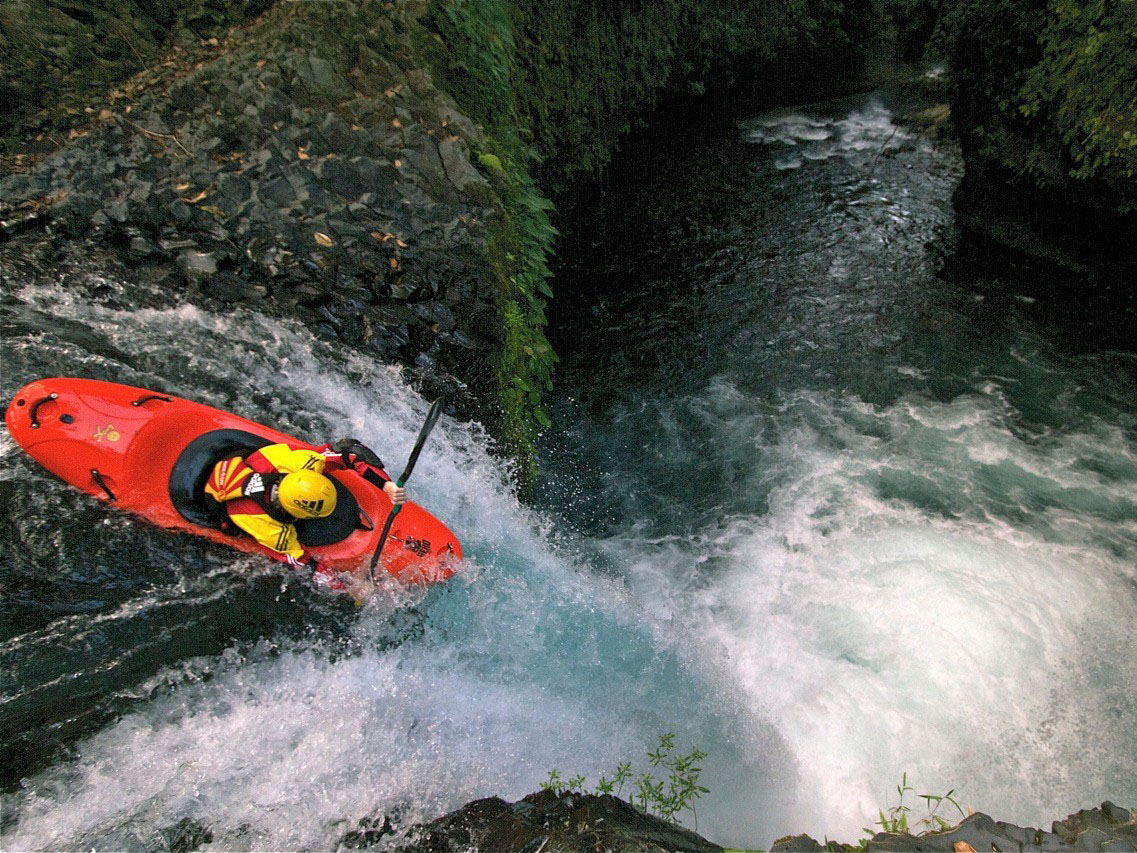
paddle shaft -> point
(427, 426)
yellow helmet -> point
(306, 494)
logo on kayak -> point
(417, 546)
(108, 432)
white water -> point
(528, 660)
(971, 653)
(800, 135)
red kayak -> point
(150, 454)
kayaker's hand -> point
(396, 493)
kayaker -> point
(266, 492)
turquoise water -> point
(832, 495)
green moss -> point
(475, 59)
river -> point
(832, 494)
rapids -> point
(832, 495)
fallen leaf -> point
(182, 187)
(398, 164)
(261, 63)
(396, 123)
(105, 114)
(962, 847)
(400, 243)
(301, 153)
(214, 210)
(394, 263)
(324, 240)
(195, 199)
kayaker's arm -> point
(282, 544)
(349, 453)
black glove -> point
(349, 447)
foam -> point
(799, 136)
(883, 637)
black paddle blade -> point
(427, 425)
(431, 419)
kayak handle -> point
(37, 404)
(148, 397)
(98, 478)
(365, 521)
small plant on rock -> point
(665, 798)
(896, 819)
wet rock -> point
(229, 287)
(456, 162)
(258, 148)
(72, 214)
(370, 832)
(548, 822)
(197, 263)
(276, 191)
(1115, 814)
(343, 179)
(186, 835)
(119, 211)
(795, 843)
(235, 187)
(321, 80)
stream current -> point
(832, 495)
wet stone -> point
(276, 191)
(195, 262)
(1091, 839)
(186, 835)
(235, 187)
(796, 843)
(1115, 814)
(343, 179)
(229, 287)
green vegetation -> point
(896, 819)
(1047, 91)
(664, 797)
(1086, 84)
(476, 60)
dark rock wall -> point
(57, 55)
(304, 163)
